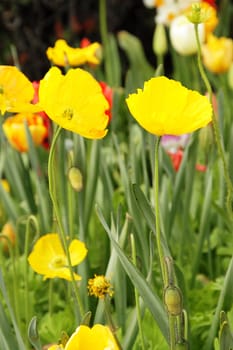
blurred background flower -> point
(15, 130)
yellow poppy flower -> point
(16, 91)
(48, 257)
(164, 107)
(75, 102)
(217, 54)
(62, 54)
(98, 337)
(14, 129)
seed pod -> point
(173, 300)
(75, 178)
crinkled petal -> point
(98, 337)
(75, 102)
(164, 106)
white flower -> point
(182, 35)
(167, 10)
(149, 3)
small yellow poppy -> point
(165, 107)
(48, 257)
(64, 55)
(98, 337)
(75, 102)
(16, 91)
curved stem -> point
(52, 192)
(215, 126)
(137, 302)
(157, 212)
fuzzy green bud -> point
(75, 178)
(197, 14)
(160, 40)
(173, 300)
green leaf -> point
(33, 334)
(150, 298)
(21, 345)
(225, 334)
(224, 303)
(147, 211)
(140, 70)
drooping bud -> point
(75, 178)
(173, 300)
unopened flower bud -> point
(173, 300)
(75, 178)
(160, 40)
(198, 14)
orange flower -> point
(14, 129)
(212, 21)
(217, 54)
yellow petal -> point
(78, 252)
(63, 55)
(48, 257)
(164, 106)
(75, 102)
(16, 91)
(98, 337)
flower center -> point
(68, 114)
(58, 262)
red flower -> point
(211, 3)
(176, 158)
(46, 120)
(108, 93)
(84, 43)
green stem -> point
(172, 327)
(138, 309)
(157, 212)
(215, 126)
(107, 309)
(33, 220)
(52, 192)
(50, 297)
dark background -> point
(29, 27)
